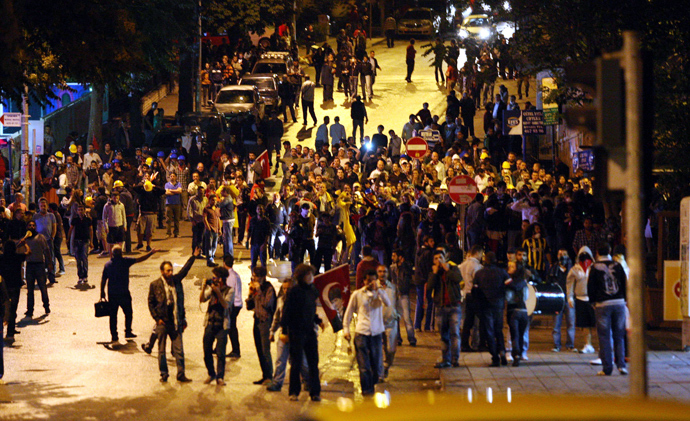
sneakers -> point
(516, 362)
(316, 398)
(623, 371)
(146, 348)
(130, 335)
(595, 362)
(60, 273)
(601, 373)
(184, 379)
(139, 246)
(587, 349)
(164, 378)
(262, 381)
(555, 350)
(148, 248)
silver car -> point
(419, 21)
(477, 28)
(239, 100)
(268, 87)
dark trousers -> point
(468, 120)
(390, 38)
(232, 332)
(57, 244)
(51, 250)
(165, 331)
(410, 69)
(117, 302)
(325, 256)
(448, 321)
(241, 225)
(360, 124)
(317, 68)
(304, 344)
(369, 350)
(161, 212)
(2, 345)
(174, 213)
(328, 92)
(438, 68)
(308, 246)
(518, 321)
(308, 106)
(492, 323)
(128, 235)
(14, 303)
(256, 253)
(419, 313)
(81, 254)
(289, 105)
(215, 333)
(262, 332)
(36, 274)
(473, 310)
(198, 235)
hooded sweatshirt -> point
(576, 282)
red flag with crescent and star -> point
(265, 166)
(334, 293)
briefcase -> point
(102, 308)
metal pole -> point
(32, 167)
(198, 75)
(25, 139)
(370, 11)
(634, 211)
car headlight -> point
(463, 33)
(484, 33)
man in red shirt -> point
(409, 59)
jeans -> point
(305, 346)
(368, 356)
(390, 346)
(518, 322)
(366, 86)
(165, 331)
(611, 331)
(233, 334)
(57, 243)
(116, 302)
(215, 333)
(570, 327)
(448, 321)
(256, 253)
(197, 234)
(360, 124)
(492, 323)
(51, 250)
(128, 236)
(380, 255)
(36, 274)
(262, 331)
(419, 309)
(405, 316)
(174, 213)
(81, 251)
(283, 352)
(353, 86)
(308, 106)
(438, 69)
(228, 249)
(210, 245)
(410, 69)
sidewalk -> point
(569, 373)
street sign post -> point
(462, 189)
(417, 147)
(533, 123)
(11, 119)
(431, 136)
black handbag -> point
(102, 308)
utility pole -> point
(199, 69)
(631, 62)
(25, 140)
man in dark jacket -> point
(445, 282)
(262, 299)
(299, 317)
(166, 305)
(558, 274)
(401, 276)
(425, 259)
(358, 112)
(490, 282)
(606, 291)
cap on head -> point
(161, 154)
(181, 158)
(173, 156)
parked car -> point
(273, 62)
(268, 88)
(238, 100)
(419, 21)
(477, 28)
(210, 123)
(166, 138)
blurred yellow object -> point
(484, 155)
(148, 186)
(504, 406)
(73, 148)
(58, 154)
(118, 183)
(88, 201)
(149, 161)
(506, 165)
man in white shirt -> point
(368, 303)
(235, 283)
(473, 308)
(90, 157)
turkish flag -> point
(265, 166)
(334, 293)
(95, 143)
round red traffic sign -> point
(462, 189)
(417, 147)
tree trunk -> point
(185, 103)
(96, 115)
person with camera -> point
(262, 299)
(368, 303)
(217, 322)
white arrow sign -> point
(11, 119)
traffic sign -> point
(417, 147)
(11, 119)
(431, 136)
(462, 189)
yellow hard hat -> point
(506, 165)
(88, 201)
(148, 186)
(149, 161)
(118, 183)
(73, 148)
(484, 155)
(58, 154)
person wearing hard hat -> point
(59, 158)
(115, 219)
(149, 195)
